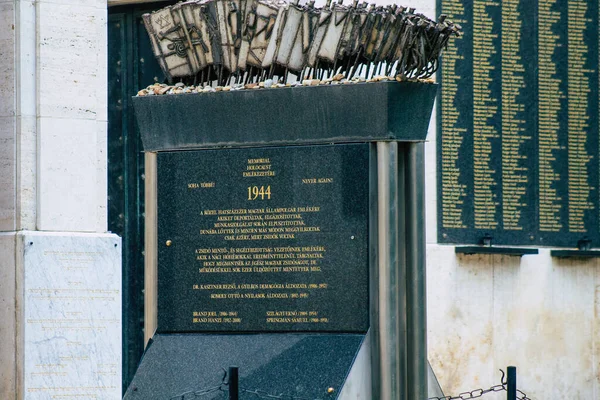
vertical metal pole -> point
(234, 385)
(374, 272)
(387, 362)
(401, 245)
(511, 381)
(151, 248)
(416, 295)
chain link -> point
(260, 394)
(474, 394)
(522, 396)
(194, 394)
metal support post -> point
(511, 383)
(389, 330)
(416, 294)
(234, 384)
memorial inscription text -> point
(270, 239)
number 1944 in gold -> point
(259, 193)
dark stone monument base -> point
(362, 112)
(298, 365)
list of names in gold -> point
(580, 189)
(452, 133)
(515, 175)
(519, 122)
(485, 107)
(549, 107)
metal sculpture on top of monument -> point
(248, 41)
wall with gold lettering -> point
(518, 151)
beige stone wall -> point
(53, 116)
(7, 115)
(53, 127)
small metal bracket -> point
(509, 251)
(485, 247)
(486, 240)
(575, 253)
(584, 244)
(584, 250)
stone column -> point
(60, 271)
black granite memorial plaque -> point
(264, 239)
(518, 150)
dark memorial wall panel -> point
(264, 239)
(518, 150)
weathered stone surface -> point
(61, 329)
(72, 314)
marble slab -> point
(71, 316)
(68, 175)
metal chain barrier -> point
(474, 394)
(194, 394)
(264, 395)
(261, 394)
(522, 396)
